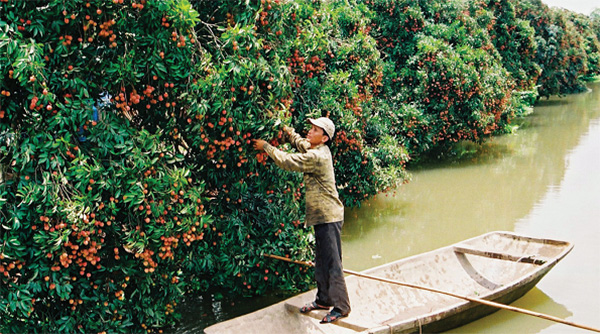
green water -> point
(542, 181)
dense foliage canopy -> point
(127, 178)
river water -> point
(543, 181)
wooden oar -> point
(471, 299)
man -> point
(324, 211)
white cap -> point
(324, 123)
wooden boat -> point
(497, 266)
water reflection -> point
(201, 311)
(507, 322)
(552, 102)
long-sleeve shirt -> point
(322, 201)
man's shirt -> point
(322, 201)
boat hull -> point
(497, 266)
(475, 312)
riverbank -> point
(541, 181)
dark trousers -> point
(331, 286)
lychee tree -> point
(127, 178)
(98, 210)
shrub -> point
(513, 38)
(97, 207)
(560, 52)
(443, 74)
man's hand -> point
(287, 130)
(258, 144)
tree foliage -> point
(127, 178)
(564, 47)
(98, 206)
